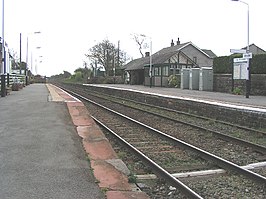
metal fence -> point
(8, 80)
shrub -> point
(173, 81)
(237, 91)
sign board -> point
(240, 60)
(247, 55)
(240, 68)
(241, 51)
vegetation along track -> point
(171, 157)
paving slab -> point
(41, 155)
(126, 195)
(110, 172)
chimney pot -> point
(178, 41)
(172, 43)
(147, 54)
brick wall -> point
(223, 83)
(241, 117)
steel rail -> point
(227, 137)
(256, 147)
(153, 165)
(218, 160)
(188, 114)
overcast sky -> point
(69, 28)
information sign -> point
(247, 55)
(240, 68)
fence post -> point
(3, 85)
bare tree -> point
(140, 40)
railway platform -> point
(226, 107)
(217, 98)
(51, 148)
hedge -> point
(224, 64)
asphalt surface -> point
(41, 155)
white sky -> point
(69, 28)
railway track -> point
(253, 138)
(167, 150)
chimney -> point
(172, 43)
(178, 42)
(147, 54)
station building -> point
(166, 62)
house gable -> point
(201, 58)
(254, 49)
(182, 60)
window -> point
(195, 59)
(172, 66)
(165, 71)
(157, 71)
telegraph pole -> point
(20, 53)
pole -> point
(20, 53)
(3, 85)
(248, 81)
(118, 53)
(27, 55)
(150, 62)
(26, 67)
(3, 38)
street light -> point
(26, 69)
(3, 68)
(150, 71)
(248, 81)
(150, 62)
(27, 50)
(38, 32)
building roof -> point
(162, 56)
(254, 45)
(157, 58)
(210, 53)
(136, 63)
(174, 48)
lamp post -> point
(28, 47)
(3, 69)
(3, 66)
(27, 51)
(248, 80)
(150, 62)
(150, 70)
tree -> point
(14, 59)
(107, 55)
(23, 65)
(140, 40)
(84, 72)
